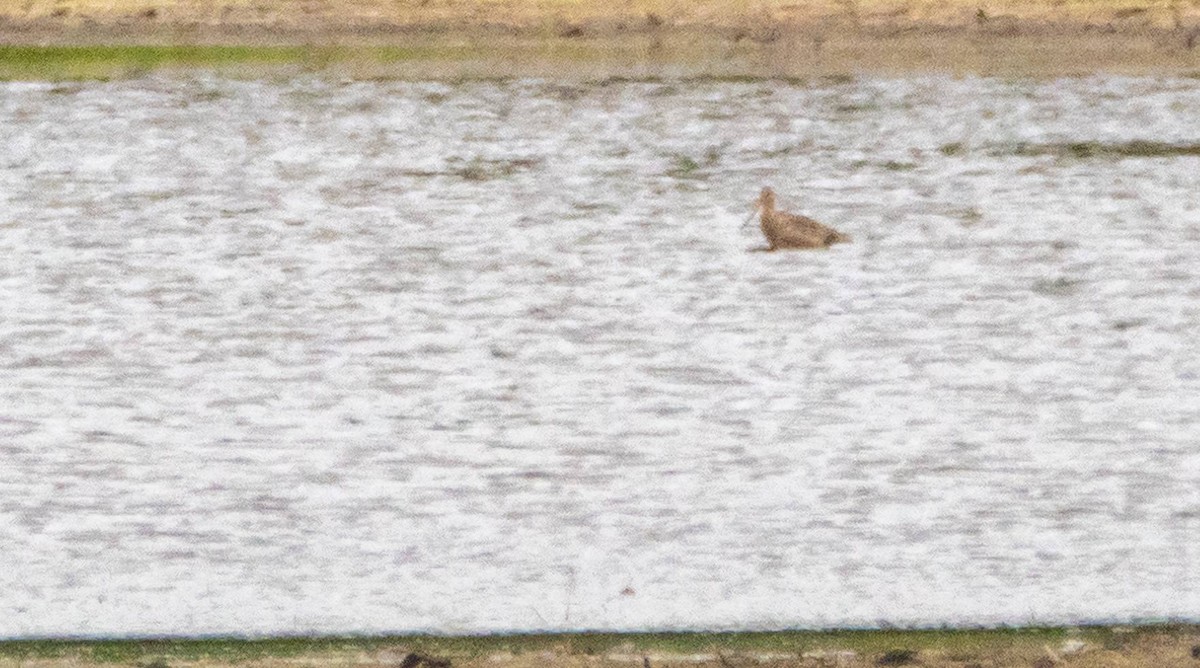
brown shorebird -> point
(788, 230)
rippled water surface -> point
(304, 355)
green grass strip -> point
(862, 641)
(104, 62)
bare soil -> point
(739, 37)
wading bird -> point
(788, 230)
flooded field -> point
(306, 355)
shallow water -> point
(305, 355)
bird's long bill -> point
(757, 208)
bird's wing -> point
(807, 225)
(806, 231)
(798, 238)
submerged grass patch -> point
(479, 169)
(1083, 150)
(952, 149)
(1094, 149)
(685, 166)
(1056, 287)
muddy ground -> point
(738, 37)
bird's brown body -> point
(788, 230)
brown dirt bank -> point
(700, 37)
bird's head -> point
(764, 204)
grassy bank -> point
(104, 62)
(683, 55)
(420, 58)
(108, 61)
(1160, 645)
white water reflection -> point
(316, 356)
